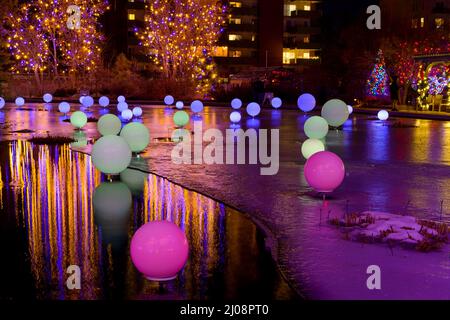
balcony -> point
(244, 11)
(241, 27)
(241, 44)
(304, 14)
(302, 30)
(301, 45)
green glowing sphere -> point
(111, 154)
(78, 119)
(136, 135)
(109, 124)
(335, 112)
(181, 118)
(179, 135)
(312, 146)
(80, 140)
(316, 127)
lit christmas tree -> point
(378, 82)
(180, 35)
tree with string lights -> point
(180, 36)
(378, 82)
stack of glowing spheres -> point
(88, 101)
(276, 103)
(159, 250)
(235, 117)
(383, 115)
(306, 102)
(78, 119)
(109, 124)
(47, 98)
(103, 102)
(350, 109)
(316, 127)
(181, 118)
(335, 111)
(64, 107)
(136, 135)
(236, 103)
(121, 106)
(2, 103)
(197, 106)
(169, 100)
(137, 112)
(111, 154)
(324, 171)
(312, 146)
(179, 105)
(127, 114)
(253, 109)
(120, 99)
(20, 101)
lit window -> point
(234, 37)
(307, 8)
(288, 9)
(131, 16)
(306, 55)
(235, 4)
(253, 37)
(288, 57)
(422, 22)
(235, 21)
(414, 23)
(235, 54)
(306, 39)
(439, 23)
(220, 51)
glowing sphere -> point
(135, 179)
(47, 98)
(20, 101)
(136, 135)
(253, 109)
(120, 99)
(335, 111)
(316, 127)
(383, 115)
(181, 118)
(312, 146)
(324, 171)
(127, 114)
(103, 101)
(80, 139)
(2, 103)
(78, 119)
(121, 106)
(350, 109)
(111, 154)
(180, 135)
(109, 124)
(306, 102)
(137, 111)
(276, 102)
(88, 101)
(168, 100)
(179, 105)
(64, 107)
(235, 117)
(197, 106)
(236, 103)
(159, 250)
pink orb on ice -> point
(324, 171)
(159, 250)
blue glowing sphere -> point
(137, 111)
(64, 107)
(121, 106)
(350, 109)
(47, 98)
(236, 103)
(306, 102)
(235, 117)
(179, 105)
(81, 100)
(2, 103)
(88, 101)
(120, 99)
(127, 114)
(276, 102)
(20, 101)
(103, 101)
(253, 109)
(197, 106)
(168, 100)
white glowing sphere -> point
(179, 105)
(168, 100)
(306, 102)
(383, 115)
(2, 103)
(121, 106)
(235, 117)
(316, 127)
(276, 102)
(136, 135)
(335, 111)
(197, 106)
(137, 111)
(236, 103)
(20, 101)
(350, 109)
(127, 114)
(88, 101)
(47, 98)
(120, 99)
(64, 107)
(312, 146)
(253, 109)
(78, 119)
(111, 154)
(103, 101)
(109, 124)
(134, 179)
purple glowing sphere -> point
(159, 250)
(324, 171)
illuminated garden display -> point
(378, 82)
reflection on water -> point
(57, 211)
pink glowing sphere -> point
(159, 250)
(324, 171)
